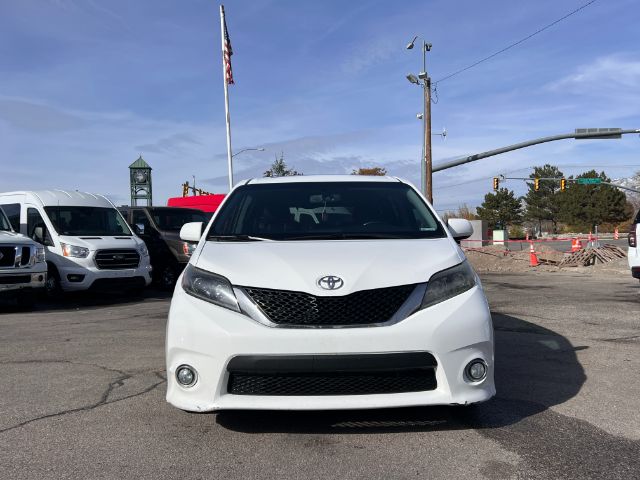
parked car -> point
(159, 227)
(88, 243)
(634, 253)
(327, 292)
(23, 270)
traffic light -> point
(496, 184)
(563, 183)
(536, 184)
(185, 189)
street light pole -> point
(257, 149)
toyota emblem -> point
(330, 282)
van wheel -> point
(168, 277)
(52, 286)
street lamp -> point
(257, 149)
(426, 167)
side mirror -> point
(460, 228)
(38, 234)
(191, 232)
(139, 228)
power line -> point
(514, 44)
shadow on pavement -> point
(535, 369)
(88, 300)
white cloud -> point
(603, 74)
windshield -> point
(331, 210)
(79, 221)
(5, 226)
(172, 219)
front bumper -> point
(10, 282)
(208, 337)
(85, 275)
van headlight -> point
(449, 283)
(209, 287)
(142, 250)
(40, 257)
(74, 251)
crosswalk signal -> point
(185, 189)
(563, 184)
(536, 184)
(496, 184)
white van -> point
(88, 242)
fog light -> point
(186, 375)
(476, 370)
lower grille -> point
(7, 256)
(365, 307)
(118, 284)
(355, 374)
(332, 384)
(117, 259)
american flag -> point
(227, 55)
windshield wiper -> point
(237, 238)
(348, 236)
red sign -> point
(206, 203)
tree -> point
(544, 205)
(377, 171)
(463, 212)
(279, 169)
(501, 208)
(583, 206)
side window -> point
(36, 228)
(12, 210)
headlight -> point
(188, 248)
(40, 255)
(142, 250)
(73, 251)
(448, 283)
(209, 287)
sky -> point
(87, 86)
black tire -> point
(52, 287)
(168, 277)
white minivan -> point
(327, 292)
(88, 242)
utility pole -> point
(426, 169)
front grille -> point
(117, 259)
(365, 307)
(338, 383)
(7, 256)
(26, 256)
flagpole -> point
(226, 99)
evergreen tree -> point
(583, 206)
(279, 169)
(544, 205)
(500, 209)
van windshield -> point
(325, 210)
(79, 221)
(172, 219)
(5, 226)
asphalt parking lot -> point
(83, 386)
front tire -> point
(52, 285)
(168, 277)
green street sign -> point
(588, 181)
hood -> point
(14, 238)
(96, 242)
(297, 265)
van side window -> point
(12, 210)
(36, 228)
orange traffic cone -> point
(533, 259)
(616, 234)
(576, 245)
